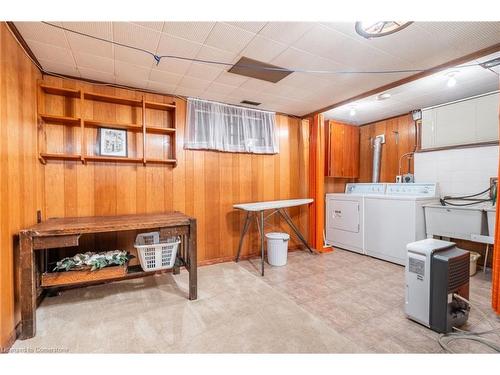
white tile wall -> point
(460, 171)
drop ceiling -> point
(292, 45)
(425, 92)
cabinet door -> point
(487, 118)
(343, 149)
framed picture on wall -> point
(112, 142)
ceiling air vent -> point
(259, 70)
(491, 63)
(250, 102)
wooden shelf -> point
(143, 127)
(112, 124)
(162, 161)
(65, 120)
(113, 159)
(72, 93)
(112, 99)
(159, 130)
(61, 156)
(161, 106)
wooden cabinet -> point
(342, 150)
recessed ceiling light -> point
(452, 80)
(376, 29)
(383, 96)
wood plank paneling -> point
(205, 184)
(399, 139)
(20, 171)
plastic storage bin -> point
(155, 255)
(277, 248)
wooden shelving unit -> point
(81, 98)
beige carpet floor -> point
(333, 303)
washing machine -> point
(344, 215)
(395, 219)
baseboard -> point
(232, 258)
(11, 339)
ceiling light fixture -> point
(383, 96)
(352, 112)
(491, 63)
(377, 29)
(452, 80)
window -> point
(222, 127)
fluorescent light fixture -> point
(352, 112)
(491, 63)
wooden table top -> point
(99, 224)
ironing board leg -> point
(243, 233)
(262, 240)
(486, 257)
(289, 221)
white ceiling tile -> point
(189, 92)
(158, 26)
(218, 55)
(194, 83)
(102, 64)
(193, 31)
(54, 67)
(204, 71)
(254, 27)
(98, 29)
(175, 66)
(137, 36)
(132, 82)
(50, 52)
(161, 87)
(231, 79)
(124, 71)
(228, 37)
(219, 88)
(165, 78)
(286, 32)
(134, 57)
(263, 49)
(171, 45)
(214, 96)
(80, 43)
(105, 77)
(41, 32)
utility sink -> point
(465, 223)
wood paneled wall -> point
(20, 191)
(399, 139)
(204, 184)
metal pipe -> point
(377, 154)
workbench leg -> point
(289, 221)
(192, 255)
(262, 240)
(243, 233)
(27, 287)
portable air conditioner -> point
(437, 271)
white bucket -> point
(277, 248)
(473, 262)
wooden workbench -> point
(65, 232)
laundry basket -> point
(155, 255)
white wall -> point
(458, 171)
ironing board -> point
(257, 209)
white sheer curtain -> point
(217, 126)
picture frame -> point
(113, 142)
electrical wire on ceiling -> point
(158, 59)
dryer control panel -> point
(414, 190)
(365, 188)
